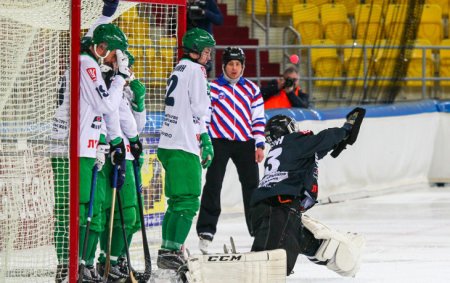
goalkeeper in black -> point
(289, 188)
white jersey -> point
(95, 100)
(188, 107)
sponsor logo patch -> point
(92, 72)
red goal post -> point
(39, 172)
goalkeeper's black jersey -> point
(291, 164)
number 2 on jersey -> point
(171, 85)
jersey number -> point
(171, 85)
(272, 163)
(101, 91)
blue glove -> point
(109, 7)
(120, 175)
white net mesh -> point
(34, 163)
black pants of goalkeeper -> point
(277, 225)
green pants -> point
(182, 189)
(60, 168)
(130, 213)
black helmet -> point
(233, 53)
(278, 126)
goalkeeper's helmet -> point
(195, 40)
(278, 126)
(112, 35)
(233, 53)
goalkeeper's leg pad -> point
(341, 252)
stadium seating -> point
(354, 62)
(319, 3)
(326, 63)
(350, 5)
(368, 22)
(336, 25)
(285, 6)
(444, 63)
(395, 21)
(415, 66)
(260, 7)
(442, 3)
(305, 18)
(386, 60)
(430, 26)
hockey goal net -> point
(34, 139)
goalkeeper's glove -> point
(135, 147)
(117, 151)
(348, 125)
(138, 90)
(122, 63)
(206, 150)
(109, 7)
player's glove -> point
(120, 175)
(138, 90)
(102, 151)
(135, 147)
(122, 63)
(207, 150)
(109, 7)
(117, 151)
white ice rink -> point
(407, 237)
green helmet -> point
(195, 40)
(112, 35)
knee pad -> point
(340, 252)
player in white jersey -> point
(184, 138)
(59, 150)
(132, 121)
(96, 100)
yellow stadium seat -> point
(260, 7)
(130, 14)
(350, 5)
(319, 3)
(415, 66)
(285, 6)
(326, 63)
(444, 63)
(305, 18)
(386, 59)
(355, 64)
(335, 23)
(139, 27)
(168, 42)
(394, 25)
(430, 26)
(368, 22)
(442, 3)
(141, 41)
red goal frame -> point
(75, 31)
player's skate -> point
(205, 240)
(114, 274)
(94, 274)
(168, 259)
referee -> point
(237, 132)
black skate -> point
(114, 274)
(168, 259)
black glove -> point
(348, 125)
(121, 169)
(136, 148)
(109, 7)
(117, 153)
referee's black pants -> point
(243, 156)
